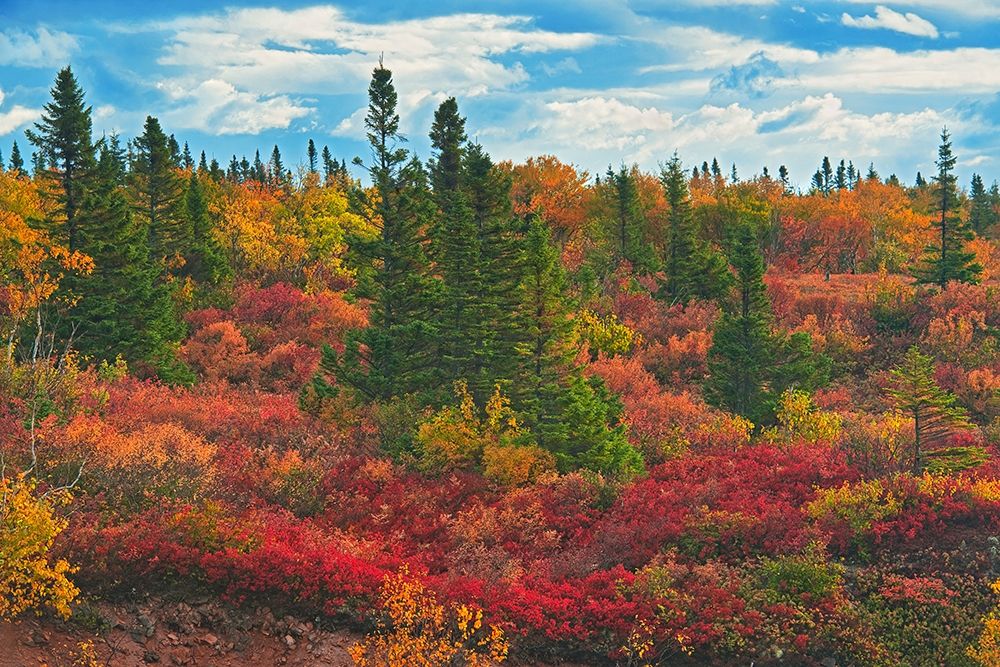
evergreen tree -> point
(750, 364)
(205, 261)
(186, 158)
(276, 167)
(826, 170)
(692, 268)
(175, 151)
(982, 215)
(743, 345)
(311, 155)
(840, 180)
(872, 175)
(628, 221)
(63, 138)
(919, 181)
(202, 163)
(328, 167)
(392, 357)
(124, 308)
(157, 192)
(946, 259)
(259, 171)
(233, 172)
(716, 170)
(783, 177)
(574, 418)
(935, 412)
(16, 161)
(733, 177)
(215, 171)
(455, 248)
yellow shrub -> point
(799, 418)
(859, 505)
(605, 334)
(987, 650)
(28, 577)
(419, 631)
(514, 465)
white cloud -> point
(16, 117)
(971, 8)
(217, 107)
(265, 56)
(44, 48)
(888, 19)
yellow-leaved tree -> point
(29, 578)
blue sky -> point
(595, 82)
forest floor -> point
(156, 632)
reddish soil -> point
(173, 634)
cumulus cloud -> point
(266, 56)
(889, 19)
(16, 117)
(971, 8)
(755, 78)
(43, 48)
(217, 107)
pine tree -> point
(919, 181)
(259, 171)
(716, 170)
(202, 163)
(872, 175)
(574, 418)
(840, 180)
(982, 215)
(186, 159)
(311, 155)
(627, 221)
(204, 262)
(455, 248)
(743, 350)
(157, 192)
(124, 308)
(393, 357)
(935, 413)
(276, 168)
(733, 177)
(826, 170)
(63, 138)
(692, 268)
(946, 259)
(328, 167)
(175, 151)
(783, 177)
(16, 161)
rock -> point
(150, 656)
(289, 641)
(210, 639)
(171, 636)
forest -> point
(477, 412)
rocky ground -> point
(193, 632)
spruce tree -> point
(573, 417)
(157, 192)
(63, 138)
(186, 160)
(935, 412)
(202, 163)
(204, 262)
(16, 161)
(840, 180)
(392, 357)
(946, 259)
(692, 267)
(124, 309)
(311, 155)
(276, 168)
(743, 351)
(456, 250)
(627, 222)
(328, 168)
(982, 215)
